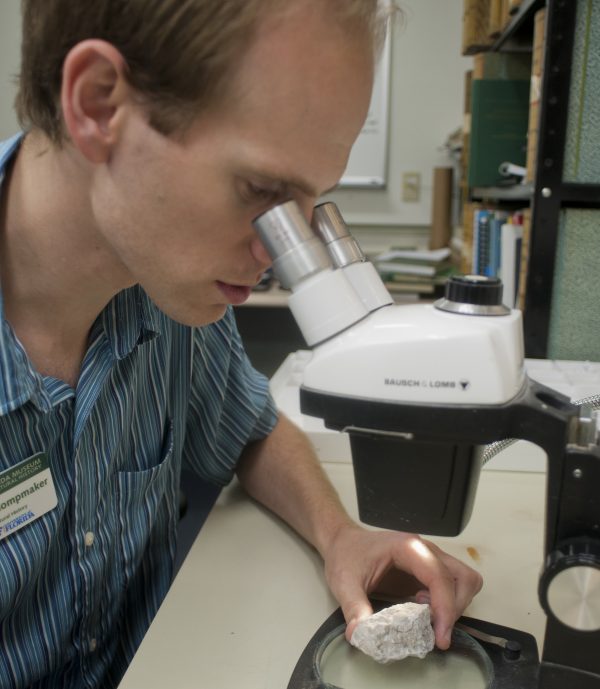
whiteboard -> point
(367, 165)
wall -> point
(10, 39)
(426, 104)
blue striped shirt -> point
(153, 395)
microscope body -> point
(387, 380)
(419, 353)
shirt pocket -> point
(148, 508)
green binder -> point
(499, 119)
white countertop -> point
(251, 594)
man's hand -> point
(357, 559)
(283, 473)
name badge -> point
(26, 493)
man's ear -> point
(93, 93)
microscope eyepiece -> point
(323, 301)
(329, 225)
(292, 245)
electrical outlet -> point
(411, 186)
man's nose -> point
(259, 253)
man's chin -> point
(195, 317)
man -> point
(156, 132)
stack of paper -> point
(410, 270)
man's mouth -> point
(235, 294)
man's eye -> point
(256, 193)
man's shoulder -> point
(8, 148)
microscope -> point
(422, 389)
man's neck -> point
(56, 272)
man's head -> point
(179, 53)
(173, 148)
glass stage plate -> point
(464, 666)
(482, 655)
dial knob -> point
(475, 295)
(570, 585)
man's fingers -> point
(444, 613)
(357, 608)
(426, 565)
(468, 582)
(467, 586)
(447, 584)
(354, 617)
(451, 587)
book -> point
(428, 257)
(510, 262)
(418, 284)
(480, 239)
(426, 263)
(500, 249)
(390, 268)
(418, 271)
(509, 65)
(499, 118)
(535, 89)
(490, 248)
(468, 234)
(395, 287)
(524, 269)
(441, 208)
(492, 268)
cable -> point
(491, 450)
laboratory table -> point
(251, 593)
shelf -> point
(517, 192)
(577, 195)
(517, 35)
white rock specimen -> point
(395, 633)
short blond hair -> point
(178, 52)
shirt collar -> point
(7, 151)
(130, 319)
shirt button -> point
(89, 539)
(93, 645)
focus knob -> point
(570, 585)
(474, 289)
(474, 295)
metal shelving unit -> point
(516, 192)
(549, 194)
